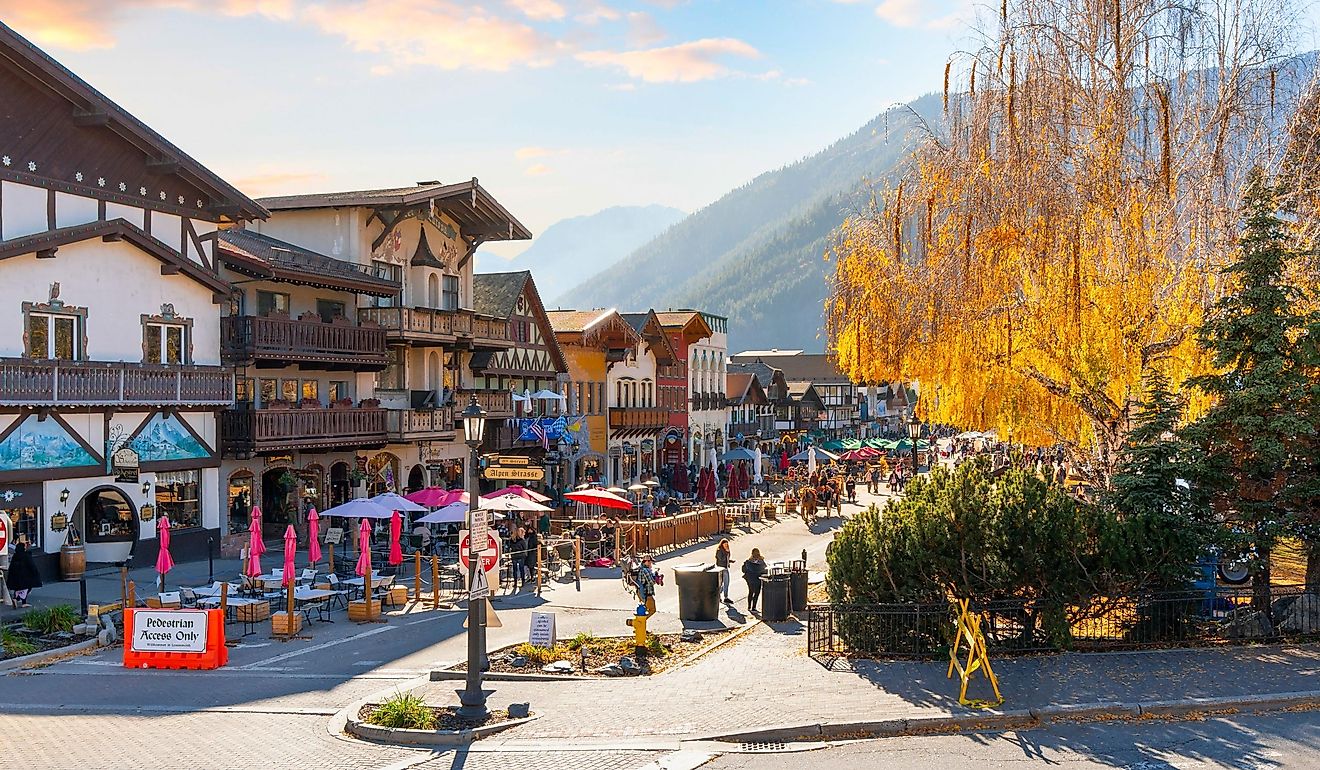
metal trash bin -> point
(775, 601)
(698, 592)
(797, 584)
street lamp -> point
(472, 697)
(914, 431)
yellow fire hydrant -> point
(639, 627)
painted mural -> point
(163, 438)
(37, 444)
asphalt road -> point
(1265, 742)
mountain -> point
(756, 254)
(584, 245)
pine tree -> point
(1251, 433)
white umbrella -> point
(639, 488)
(756, 465)
(359, 508)
(548, 395)
(397, 502)
(714, 463)
(510, 502)
(811, 461)
(454, 513)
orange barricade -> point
(178, 629)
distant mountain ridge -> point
(579, 246)
(757, 254)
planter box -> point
(253, 612)
(397, 596)
(284, 624)
(358, 611)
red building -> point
(683, 328)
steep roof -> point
(816, 367)
(93, 109)
(496, 294)
(475, 210)
(648, 326)
(691, 322)
(262, 256)
(569, 321)
(743, 387)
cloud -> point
(683, 63)
(900, 13)
(87, 24)
(643, 31)
(927, 14)
(274, 182)
(540, 10)
(537, 169)
(623, 87)
(598, 12)
(527, 153)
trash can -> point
(797, 585)
(698, 592)
(774, 597)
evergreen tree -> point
(1250, 434)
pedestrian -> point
(723, 558)
(646, 584)
(543, 524)
(532, 548)
(873, 482)
(852, 490)
(752, 570)
(517, 546)
(22, 576)
(648, 508)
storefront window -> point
(25, 524)
(108, 517)
(178, 497)
(240, 501)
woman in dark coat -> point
(22, 576)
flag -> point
(538, 430)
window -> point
(269, 302)
(392, 377)
(164, 343)
(432, 291)
(449, 298)
(178, 498)
(389, 272)
(338, 390)
(269, 391)
(25, 522)
(243, 389)
(54, 335)
(289, 390)
(311, 389)
(329, 309)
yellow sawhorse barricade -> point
(969, 631)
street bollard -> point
(417, 576)
(435, 582)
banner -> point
(550, 429)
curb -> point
(37, 658)
(1017, 719)
(402, 737)
(713, 646)
(455, 675)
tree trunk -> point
(1260, 582)
(1313, 566)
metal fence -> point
(1168, 619)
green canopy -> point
(905, 445)
(852, 443)
(832, 446)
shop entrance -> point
(278, 486)
(340, 488)
(109, 523)
(416, 478)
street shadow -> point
(790, 627)
(735, 614)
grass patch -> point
(15, 644)
(403, 711)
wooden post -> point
(538, 566)
(123, 586)
(617, 535)
(224, 599)
(289, 605)
(417, 576)
(577, 558)
(131, 594)
(435, 582)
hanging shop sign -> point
(125, 465)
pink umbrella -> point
(431, 497)
(456, 496)
(364, 549)
(313, 535)
(258, 547)
(396, 551)
(164, 562)
(290, 550)
(514, 489)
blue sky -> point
(560, 107)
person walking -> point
(723, 558)
(531, 547)
(22, 576)
(752, 570)
(646, 584)
(852, 489)
(517, 553)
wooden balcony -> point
(28, 382)
(405, 425)
(280, 342)
(244, 432)
(496, 403)
(638, 418)
(429, 326)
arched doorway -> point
(416, 478)
(240, 500)
(382, 474)
(313, 487)
(434, 378)
(109, 523)
(340, 487)
(278, 489)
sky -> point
(559, 107)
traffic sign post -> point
(490, 557)
(480, 527)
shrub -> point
(403, 711)
(543, 655)
(61, 617)
(15, 644)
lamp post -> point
(914, 431)
(472, 697)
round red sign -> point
(4, 531)
(489, 560)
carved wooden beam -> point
(46, 253)
(163, 165)
(473, 245)
(92, 117)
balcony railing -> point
(257, 430)
(28, 382)
(708, 401)
(496, 403)
(638, 417)
(247, 339)
(404, 425)
(422, 325)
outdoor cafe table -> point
(214, 590)
(306, 598)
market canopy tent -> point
(809, 452)
(510, 502)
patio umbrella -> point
(854, 454)
(397, 502)
(290, 551)
(744, 478)
(396, 550)
(756, 466)
(258, 546)
(313, 536)
(431, 497)
(600, 497)
(740, 453)
(548, 395)
(523, 492)
(253, 566)
(453, 513)
(359, 508)
(679, 479)
(811, 462)
(783, 461)
(810, 452)
(510, 502)
(364, 549)
(711, 459)
(164, 562)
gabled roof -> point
(765, 373)
(95, 109)
(647, 325)
(476, 211)
(816, 367)
(262, 256)
(585, 327)
(49, 242)
(805, 392)
(743, 388)
(691, 322)
(496, 294)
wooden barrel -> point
(73, 561)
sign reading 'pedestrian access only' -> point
(169, 631)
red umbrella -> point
(431, 497)
(364, 549)
(744, 478)
(679, 479)
(455, 496)
(164, 562)
(258, 547)
(313, 536)
(600, 497)
(290, 550)
(853, 454)
(783, 461)
(514, 489)
(396, 551)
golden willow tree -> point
(1060, 232)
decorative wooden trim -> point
(54, 307)
(100, 209)
(102, 194)
(190, 236)
(168, 318)
(50, 209)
